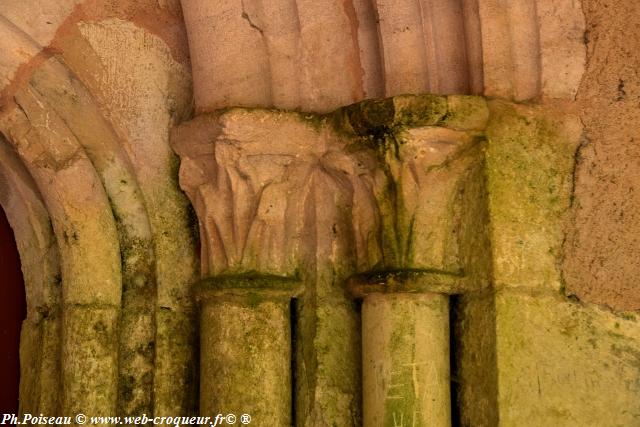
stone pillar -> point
(405, 349)
(286, 195)
(245, 347)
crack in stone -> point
(246, 17)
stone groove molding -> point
(322, 54)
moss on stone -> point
(249, 280)
(419, 110)
(379, 123)
(466, 112)
(96, 329)
(405, 274)
(175, 379)
(137, 319)
(176, 339)
(329, 386)
(548, 348)
(401, 399)
(193, 222)
(529, 172)
(250, 347)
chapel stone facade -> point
(326, 213)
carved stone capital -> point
(387, 196)
(400, 180)
(255, 177)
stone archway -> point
(39, 259)
(106, 177)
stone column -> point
(405, 348)
(245, 347)
(287, 195)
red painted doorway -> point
(12, 313)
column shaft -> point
(245, 359)
(406, 373)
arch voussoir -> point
(39, 342)
(87, 238)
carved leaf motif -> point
(274, 191)
(272, 181)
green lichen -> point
(419, 110)
(249, 280)
(563, 345)
(529, 173)
(193, 223)
(405, 406)
(328, 386)
(176, 339)
(405, 274)
(137, 344)
(466, 112)
(628, 316)
(174, 167)
(379, 123)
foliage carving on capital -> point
(261, 181)
(275, 191)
